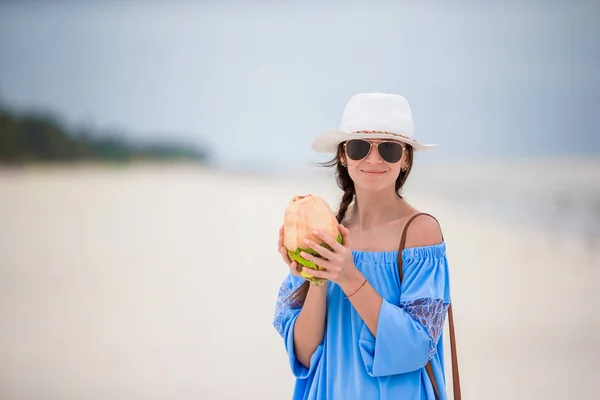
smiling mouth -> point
(374, 172)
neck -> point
(374, 208)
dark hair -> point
(346, 183)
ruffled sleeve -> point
(284, 320)
(408, 332)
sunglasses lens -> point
(357, 149)
(390, 151)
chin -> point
(374, 185)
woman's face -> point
(374, 164)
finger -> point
(314, 259)
(323, 251)
(316, 273)
(345, 235)
(285, 255)
(329, 240)
(295, 269)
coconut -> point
(303, 215)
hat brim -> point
(328, 141)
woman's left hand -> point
(338, 264)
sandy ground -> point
(160, 283)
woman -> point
(369, 333)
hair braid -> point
(347, 185)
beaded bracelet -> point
(363, 284)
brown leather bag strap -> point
(428, 367)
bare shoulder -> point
(424, 230)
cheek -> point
(351, 170)
(352, 165)
(395, 172)
(354, 171)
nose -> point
(373, 156)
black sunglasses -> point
(389, 151)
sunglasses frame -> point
(375, 144)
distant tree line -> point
(39, 137)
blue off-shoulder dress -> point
(350, 363)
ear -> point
(404, 162)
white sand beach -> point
(150, 282)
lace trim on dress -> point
(282, 297)
(431, 314)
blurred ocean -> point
(561, 197)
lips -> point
(374, 173)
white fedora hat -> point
(374, 116)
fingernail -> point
(306, 241)
(315, 233)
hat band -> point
(384, 132)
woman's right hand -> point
(282, 250)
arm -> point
(310, 325)
(302, 329)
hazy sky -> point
(258, 80)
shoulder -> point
(424, 230)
